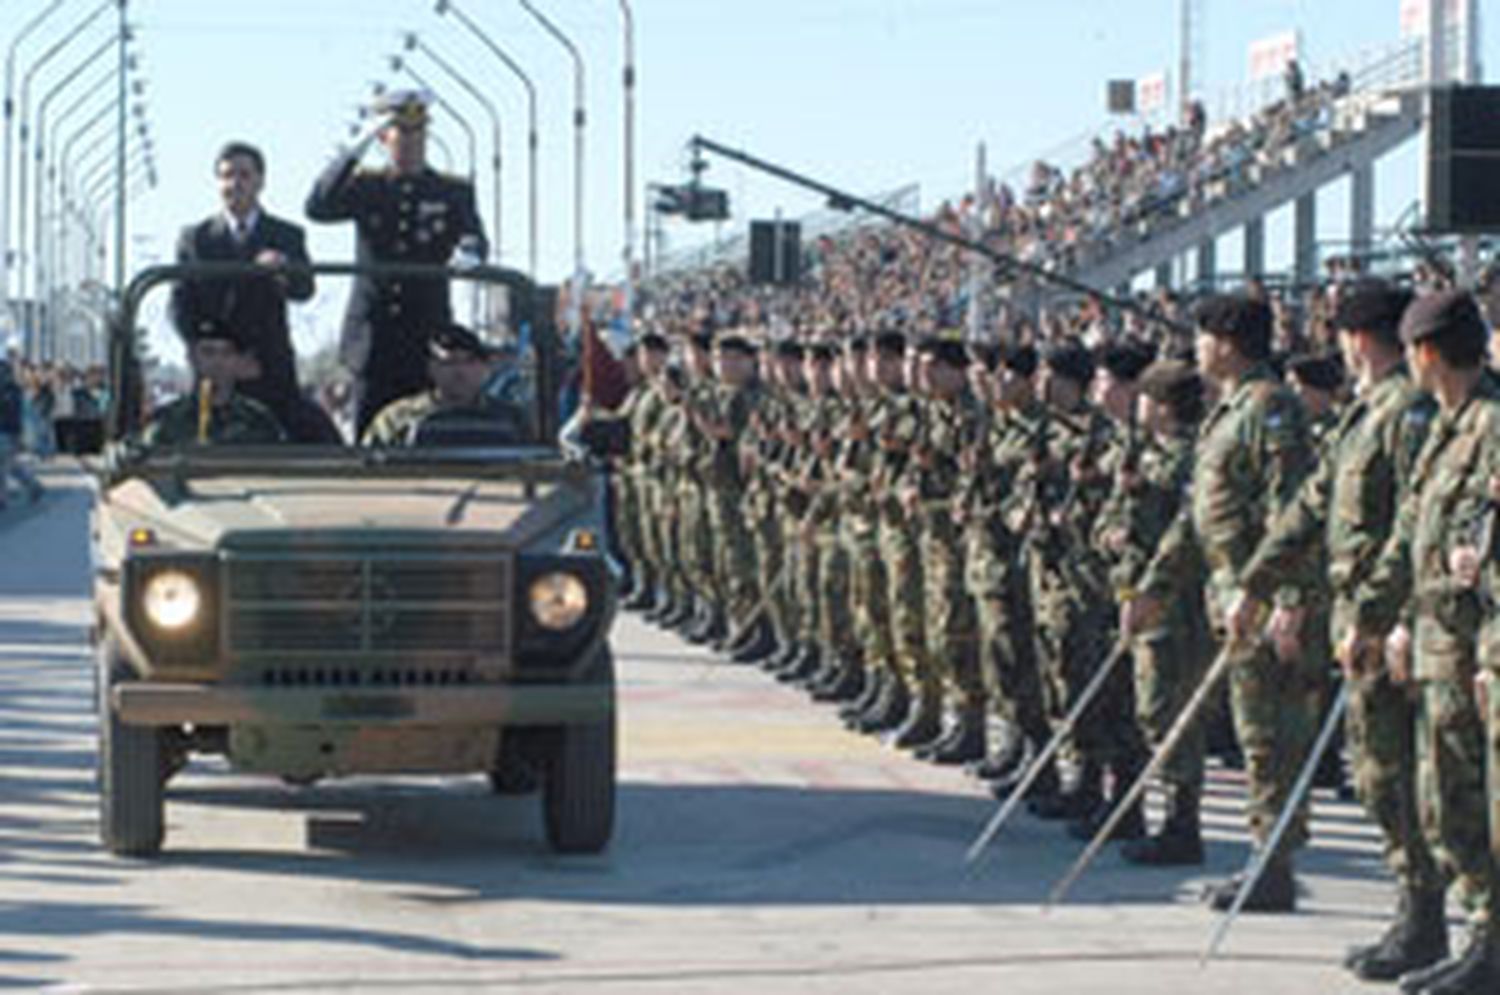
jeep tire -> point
(578, 781)
(130, 766)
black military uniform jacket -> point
(255, 307)
(398, 219)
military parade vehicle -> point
(311, 612)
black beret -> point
(1372, 306)
(735, 342)
(655, 342)
(1322, 372)
(891, 343)
(1021, 359)
(1171, 381)
(789, 349)
(1244, 320)
(703, 339)
(1070, 359)
(1449, 312)
(823, 352)
(455, 338)
(858, 343)
(212, 329)
(1126, 360)
(950, 352)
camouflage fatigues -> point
(1446, 507)
(1348, 507)
(1252, 453)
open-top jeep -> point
(316, 611)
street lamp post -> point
(532, 138)
(25, 110)
(41, 200)
(399, 65)
(10, 115)
(415, 44)
(629, 81)
(579, 120)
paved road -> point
(760, 848)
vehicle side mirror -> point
(79, 436)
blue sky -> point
(871, 94)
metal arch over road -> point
(761, 847)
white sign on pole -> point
(1414, 16)
(1270, 55)
(1151, 93)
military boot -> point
(1006, 762)
(844, 683)
(1046, 785)
(757, 644)
(923, 722)
(1075, 803)
(965, 743)
(1130, 828)
(695, 630)
(641, 597)
(784, 655)
(680, 615)
(1476, 971)
(1276, 891)
(1179, 842)
(1417, 938)
(874, 687)
(803, 665)
(830, 668)
(889, 711)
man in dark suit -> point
(404, 213)
(255, 307)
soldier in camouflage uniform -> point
(1253, 452)
(216, 411)
(1430, 571)
(863, 470)
(1069, 586)
(731, 544)
(1349, 506)
(642, 409)
(1169, 659)
(459, 365)
(898, 426)
(701, 620)
(996, 574)
(953, 423)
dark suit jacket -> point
(256, 306)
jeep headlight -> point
(558, 600)
(172, 600)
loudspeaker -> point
(775, 252)
(1463, 161)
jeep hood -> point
(202, 512)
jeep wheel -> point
(578, 791)
(130, 768)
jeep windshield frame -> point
(530, 305)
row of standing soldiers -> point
(948, 540)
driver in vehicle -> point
(456, 411)
(215, 411)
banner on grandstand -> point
(1151, 94)
(1414, 15)
(1269, 56)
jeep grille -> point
(365, 618)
